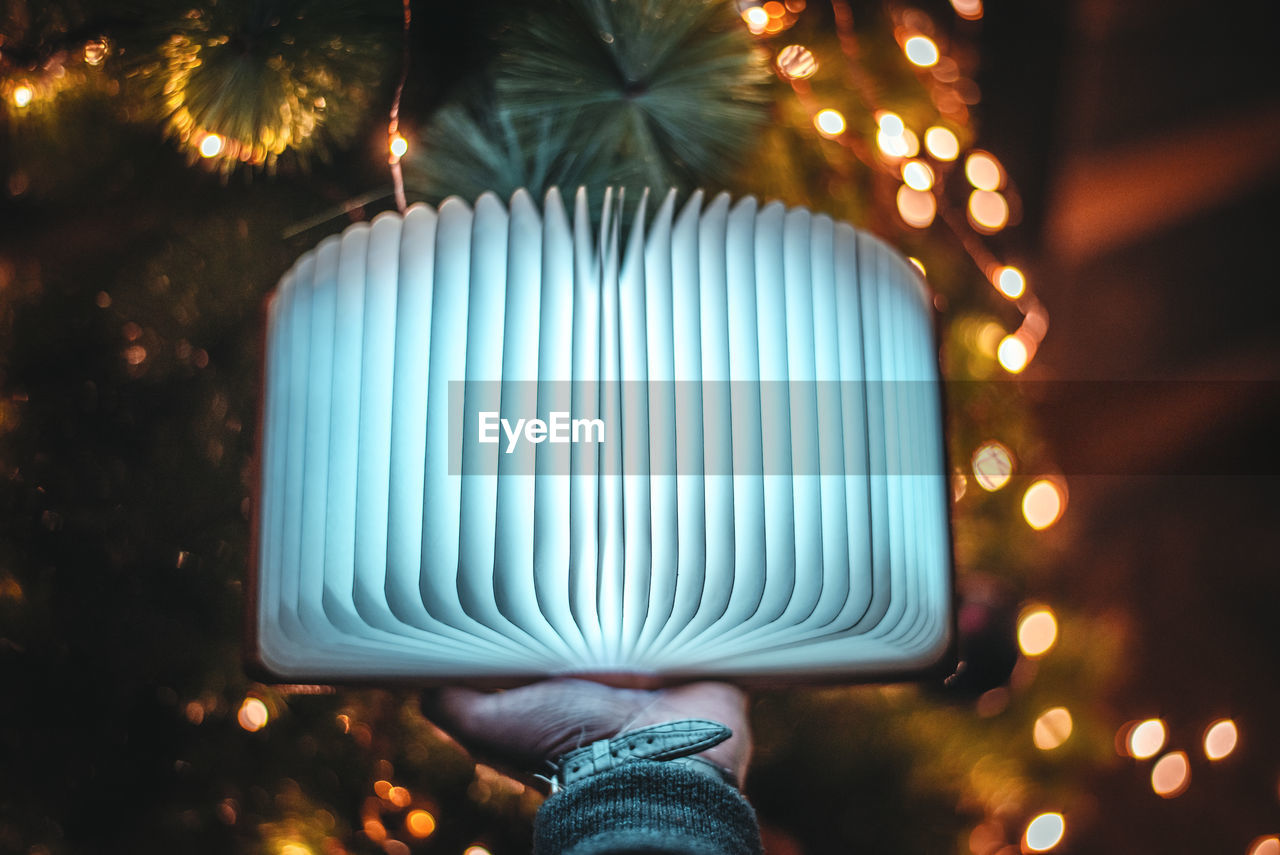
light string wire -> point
(864, 88)
(394, 147)
(1034, 325)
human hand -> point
(529, 727)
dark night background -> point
(1144, 138)
(1147, 135)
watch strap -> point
(673, 741)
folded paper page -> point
(511, 441)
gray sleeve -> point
(650, 808)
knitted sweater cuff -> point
(647, 807)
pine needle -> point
(603, 92)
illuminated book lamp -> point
(731, 463)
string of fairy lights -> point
(1140, 740)
(25, 89)
(923, 164)
(24, 85)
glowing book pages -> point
(739, 471)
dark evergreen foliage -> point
(593, 92)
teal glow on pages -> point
(506, 441)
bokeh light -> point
(420, 823)
(941, 143)
(796, 62)
(399, 145)
(921, 51)
(970, 10)
(95, 52)
(830, 123)
(983, 171)
(988, 211)
(987, 836)
(374, 830)
(757, 19)
(1220, 739)
(1052, 728)
(194, 711)
(916, 207)
(1044, 832)
(992, 464)
(891, 146)
(1146, 738)
(475, 850)
(1171, 775)
(211, 145)
(1010, 282)
(890, 123)
(1037, 631)
(987, 339)
(894, 138)
(917, 175)
(253, 714)
(910, 143)
(1265, 846)
(22, 95)
(1043, 504)
(1013, 354)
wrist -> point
(690, 743)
